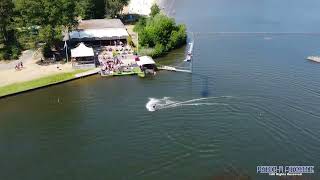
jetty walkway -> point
(170, 68)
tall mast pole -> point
(66, 46)
(137, 42)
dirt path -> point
(24, 58)
(31, 70)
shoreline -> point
(35, 75)
(43, 82)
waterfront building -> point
(99, 32)
(96, 36)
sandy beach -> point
(31, 70)
(143, 7)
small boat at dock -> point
(147, 66)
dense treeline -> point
(7, 39)
(26, 23)
(159, 33)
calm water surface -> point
(266, 109)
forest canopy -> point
(26, 23)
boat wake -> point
(155, 104)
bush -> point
(154, 10)
(178, 38)
(9, 52)
(47, 53)
(27, 40)
(4, 55)
(161, 34)
(140, 24)
(146, 51)
(15, 52)
(159, 50)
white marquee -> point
(82, 51)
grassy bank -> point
(37, 83)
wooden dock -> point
(170, 68)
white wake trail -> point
(155, 104)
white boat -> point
(189, 58)
(314, 58)
(189, 55)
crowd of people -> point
(19, 66)
(111, 65)
(111, 58)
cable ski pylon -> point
(240, 33)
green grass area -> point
(143, 51)
(138, 71)
(45, 81)
(135, 71)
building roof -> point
(100, 24)
(100, 34)
(144, 60)
(82, 51)
(99, 29)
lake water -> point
(262, 106)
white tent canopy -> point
(82, 51)
(144, 60)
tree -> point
(141, 24)
(154, 10)
(52, 18)
(178, 37)
(161, 34)
(113, 7)
(99, 7)
(158, 30)
(85, 9)
(6, 13)
(46, 12)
